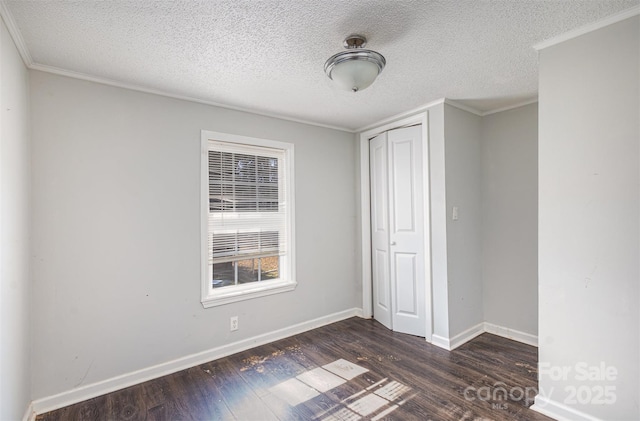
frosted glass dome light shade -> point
(355, 69)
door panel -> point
(406, 284)
(402, 186)
(379, 178)
(380, 231)
(407, 231)
(380, 262)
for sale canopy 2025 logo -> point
(591, 384)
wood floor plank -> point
(199, 398)
(266, 367)
(406, 379)
(126, 405)
(243, 403)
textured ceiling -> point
(268, 56)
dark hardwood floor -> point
(376, 375)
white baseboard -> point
(50, 403)
(452, 343)
(440, 341)
(29, 414)
(559, 411)
(464, 337)
(461, 338)
(516, 335)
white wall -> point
(510, 218)
(15, 373)
(589, 207)
(117, 231)
(438, 203)
(464, 243)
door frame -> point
(365, 212)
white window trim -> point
(215, 297)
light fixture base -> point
(354, 41)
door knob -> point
(393, 243)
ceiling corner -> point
(610, 20)
(463, 107)
(15, 34)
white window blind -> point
(247, 202)
(248, 218)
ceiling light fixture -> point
(356, 68)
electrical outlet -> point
(234, 323)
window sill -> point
(246, 292)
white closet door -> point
(380, 230)
(397, 226)
(406, 231)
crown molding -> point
(511, 107)
(574, 33)
(400, 115)
(18, 40)
(138, 88)
(15, 33)
(463, 107)
(450, 102)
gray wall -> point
(510, 218)
(588, 216)
(117, 231)
(484, 265)
(15, 373)
(464, 243)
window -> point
(247, 218)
